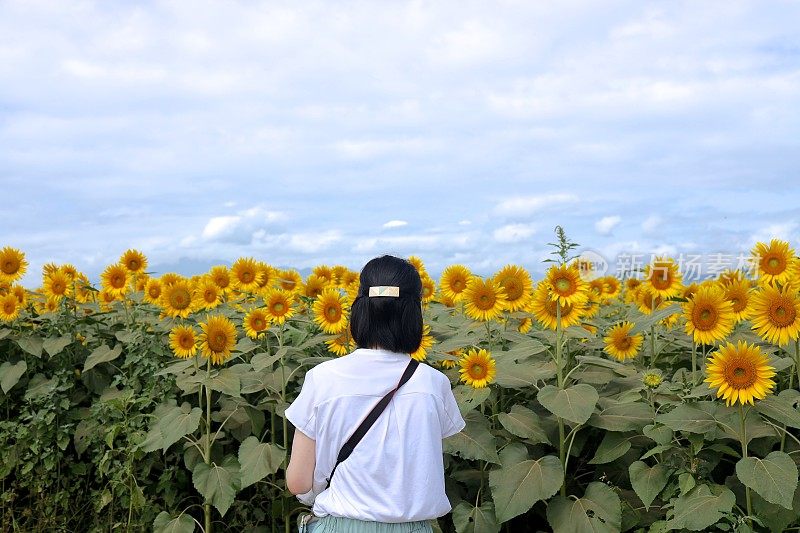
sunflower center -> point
(661, 281)
(477, 371)
(210, 295)
(222, 282)
(58, 287)
(180, 299)
(186, 341)
(513, 289)
(247, 277)
(133, 265)
(782, 313)
(458, 285)
(277, 307)
(118, 281)
(485, 301)
(773, 265)
(10, 266)
(563, 285)
(217, 341)
(9, 307)
(154, 292)
(258, 323)
(740, 374)
(623, 343)
(704, 318)
(332, 312)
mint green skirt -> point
(335, 524)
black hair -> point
(388, 322)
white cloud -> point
(314, 242)
(605, 225)
(786, 231)
(514, 232)
(651, 223)
(242, 226)
(528, 205)
(401, 243)
(220, 226)
(395, 224)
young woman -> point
(394, 479)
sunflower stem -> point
(560, 374)
(694, 364)
(207, 458)
(744, 456)
(653, 333)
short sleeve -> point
(302, 412)
(453, 422)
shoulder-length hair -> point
(388, 322)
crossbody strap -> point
(373, 415)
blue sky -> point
(330, 132)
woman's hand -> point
(300, 472)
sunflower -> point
(9, 307)
(84, 292)
(775, 314)
(246, 274)
(12, 264)
(152, 291)
(176, 299)
(454, 281)
(171, 278)
(70, 270)
(105, 298)
(256, 323)
(612, 287)
(619, 342)
(477, 368)
(427, 341)
(738, 293)
(775, 261)
(525, 325)
(329, 311)
(323, 271)
(268, 275)
(50, 305)
(221, 277)
(709, 316)
(566, 285)
(133, 261)
(341, 345)
(218, 338)
(56, 285)
(428, 288)
(279, 305)
(545, 309)
(338, 273)
(207, 295)
(646, 301)
(631, 290)
(452, 362)
(729, 276)
(314, 285)
(484, 299)
(350, 277)
(652, 378)
(115, 279)
(183, 342)
(21, 294)
(417, 263)
(517, 284)
(662, 277)
(740, 373)
(289, 280)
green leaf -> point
(524, 423)
(688, 418)
(32, 345)
(518, 485)
(653, 318)
(468, 397)
(575, 403)
(261, 361)
(226, 381)
(55, 345)
(774, 477)
(599, 511)
(258, 460)
(40, 386)
(520, 375)
(11, 374)
(631, 416)
(176, 367)
(611, 448)
(648, 482)
(164, 523)
(102, 354)
(475, 441)
(177, 422)
(701, 508)
(218, 483)
(658, 433)
(780, 409)
(470, 519)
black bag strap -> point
(373, 415)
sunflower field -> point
(593, 404)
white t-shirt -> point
(396, 472)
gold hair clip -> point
(384, 290)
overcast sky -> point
(330, 132)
